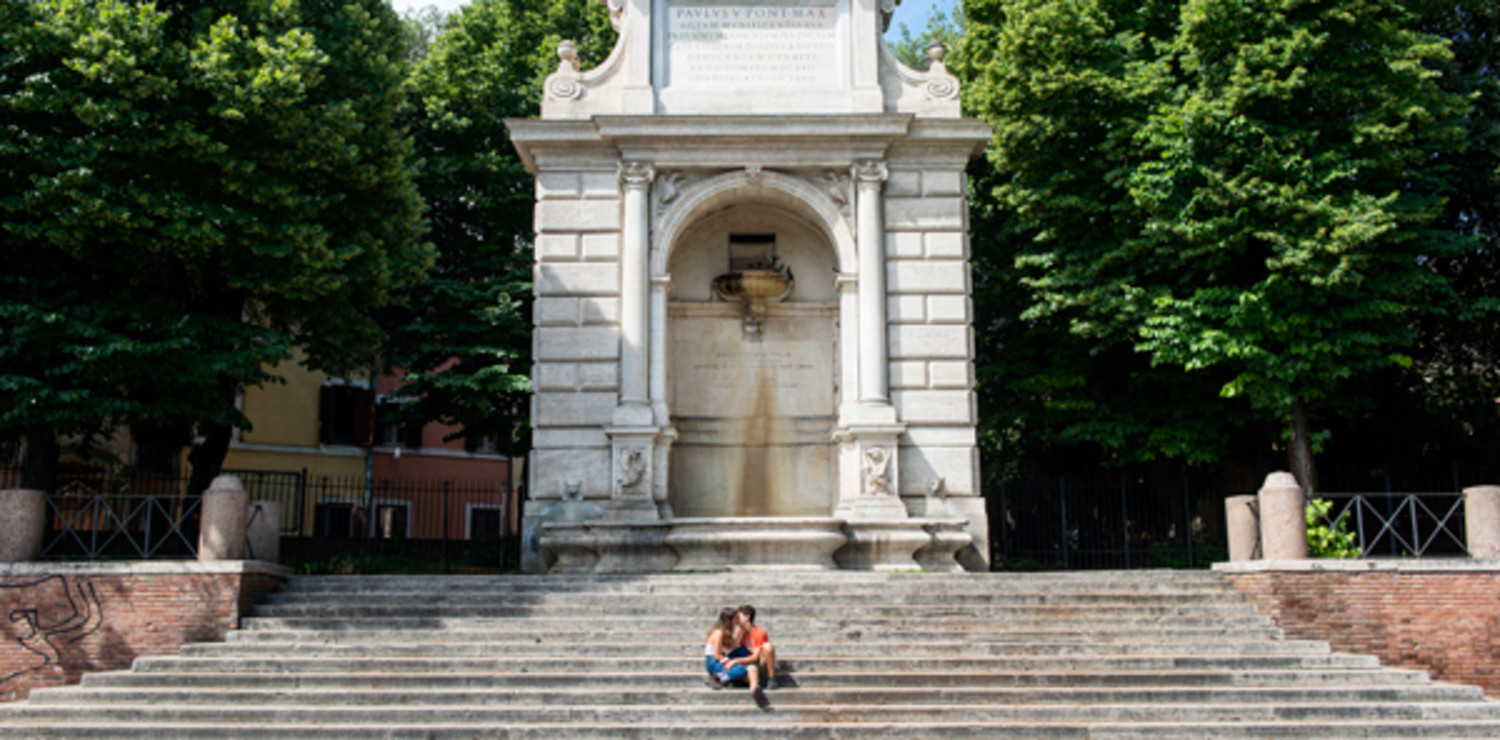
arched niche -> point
(754, 414)
(815, 205)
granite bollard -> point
(1283, 518)
(1243, 518)
(1482, 521)
(263, 532)
(226, 508)
(23, 519)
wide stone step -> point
(787, 709)
(1109, 581)
(810, 679)
(756, 727)
(800, 665)
(914, 637)
(763, 601)
(777, 625)
(706, 611)
(947, 646)
(98, 692)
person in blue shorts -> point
(717, 648)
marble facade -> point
(718, 136)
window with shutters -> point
(346, 415)
(391, 434)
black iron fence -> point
(102, 515)
(453, 524)
(327, 523)
(1145, 520)
(1104, 521)
(1400, 525)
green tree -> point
(463, 342)
(1290, 192)
(200, 186)
(1067, 86)
(1241, 192)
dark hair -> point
(749, 612)
(725, 626)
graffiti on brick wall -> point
(46, 616)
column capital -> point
(870, 171)
(637, 175)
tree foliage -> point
(1065, 88)
(190, 190)
(463, 345)
(1245, 193)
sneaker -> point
(760, 698)
(713, 683)
(773, 683)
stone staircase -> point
(1074, 655)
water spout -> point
(754, 288)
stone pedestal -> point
(263, 533)
(870, 474)
(1283, 518)
(23, 524)
(756, 543)
(633, 451)
(947, 537)
(567, 548)
(1243, 518)
(882, 545)
(1482, 521)
(631, 547)
(226, 508)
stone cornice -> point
(716, 142)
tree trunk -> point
(207, 457)
(1299, 452)
(39, 466)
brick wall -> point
(1439, 616)
(63, 620)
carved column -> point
(635, 319)
(869, 447)
(870, 175)
(633, 435)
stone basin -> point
(754, 544)
(754, 284)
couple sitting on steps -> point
(737, 650)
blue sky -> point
(911, 12)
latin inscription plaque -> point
(724, 46)
(716, 372)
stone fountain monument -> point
(753, 341)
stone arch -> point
(788, 191)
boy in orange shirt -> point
(755, 651)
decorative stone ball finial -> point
(567, 51)
(936, 52)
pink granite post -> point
(1243, 518)
(23, 524)
(1482, 521)
(1283, 518)
(226, 507)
